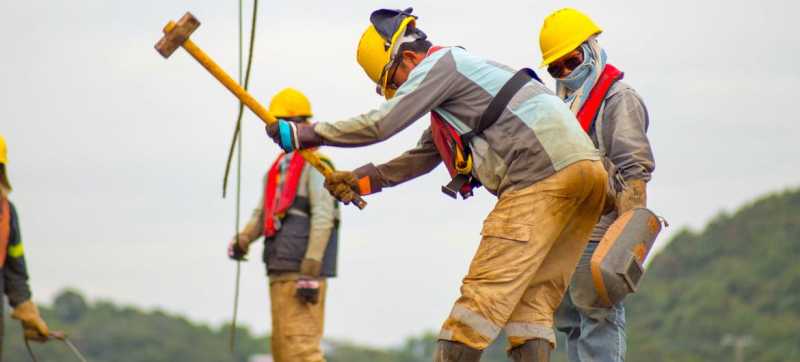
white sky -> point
(117, 154)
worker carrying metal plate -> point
(611, 112)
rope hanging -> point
(234, 144)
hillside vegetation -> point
(737, 278)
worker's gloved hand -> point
(293, 135)
(32, 323)
(308, 290)
(343, 185)
(238, 247)
(633, 195)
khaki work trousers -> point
(531, 243)
(296, 326)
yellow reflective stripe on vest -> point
(16, 251)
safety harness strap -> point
(278, 204)
(588, 112)
(500, 101)
(462, 181)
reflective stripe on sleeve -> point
(16, 250)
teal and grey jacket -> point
(535, 136)
(14, 282)
(620, 133)
(310, 228)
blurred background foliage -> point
(739, 278)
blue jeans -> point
(594, 334)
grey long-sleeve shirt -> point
(534, 137)
(15, 273)
(622, 123)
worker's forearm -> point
(361, 130)
(418, 161)
(15, 271)
(317, 243)
(255, 227)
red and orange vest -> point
(5, 228)
(277, 206)
(588, 112)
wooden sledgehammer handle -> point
(249, 101)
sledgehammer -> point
(177, 35)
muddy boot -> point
(534, 350)
(449, 351)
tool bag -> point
(454, 148)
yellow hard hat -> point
(290, 103)
(379, 43)
(564, 31)
(3, 161)
(3, 150)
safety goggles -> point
(558, 68)
(387, 77)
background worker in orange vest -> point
(299, 220)
(492, 126)
(14, 281)
(614, 116)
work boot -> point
(534, 350)
(449, 351)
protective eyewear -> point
(387, 77)
(557, 69)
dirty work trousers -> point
(296, 326)
(530, 245)
(593, 333)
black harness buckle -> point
(454, 187)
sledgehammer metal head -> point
(177, 34)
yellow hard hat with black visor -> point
(379, 46)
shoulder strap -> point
(588, 111)
(500, 101)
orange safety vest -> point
(278, 205)
(5, 229)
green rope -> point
(237, 130)
(237, 137)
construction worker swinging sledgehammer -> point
(493, 127)
(614, 116)
(13, 272)
(299, 220)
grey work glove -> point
(343, 185)
(293, 136)
(633, 195)
(238, 248)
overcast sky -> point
(117, 155)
